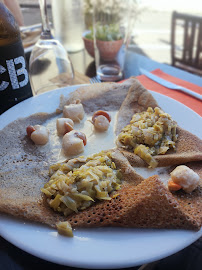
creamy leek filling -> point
(149, 133)
(77, 184)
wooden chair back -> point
(186, 42)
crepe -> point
(24, 166)
(24, 171)
(99, 96)
(188, 146)
(147, 205)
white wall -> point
(178, 5)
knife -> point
(30, 28)
(169, 84)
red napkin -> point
(189, 101)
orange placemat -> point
(189, 101)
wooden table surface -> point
(80, 78)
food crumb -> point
(64, 228)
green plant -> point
(115, 8)
(106, 32)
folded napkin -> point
(189, 101)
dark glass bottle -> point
(14, 78)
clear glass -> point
(111, 33)
(68, 20)
(50, 66)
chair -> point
(186, 42)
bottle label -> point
(14, 78)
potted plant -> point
(109, 37)
(108, 41)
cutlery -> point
(169, 85)
(95, 80)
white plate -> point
(103, 247)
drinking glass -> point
(68, 20)
(50, 66)
(111, 32)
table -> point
(84, 67)
(188, 259)
(84, 64)
(134, 61)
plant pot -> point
(109, 49)
(88, 43)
